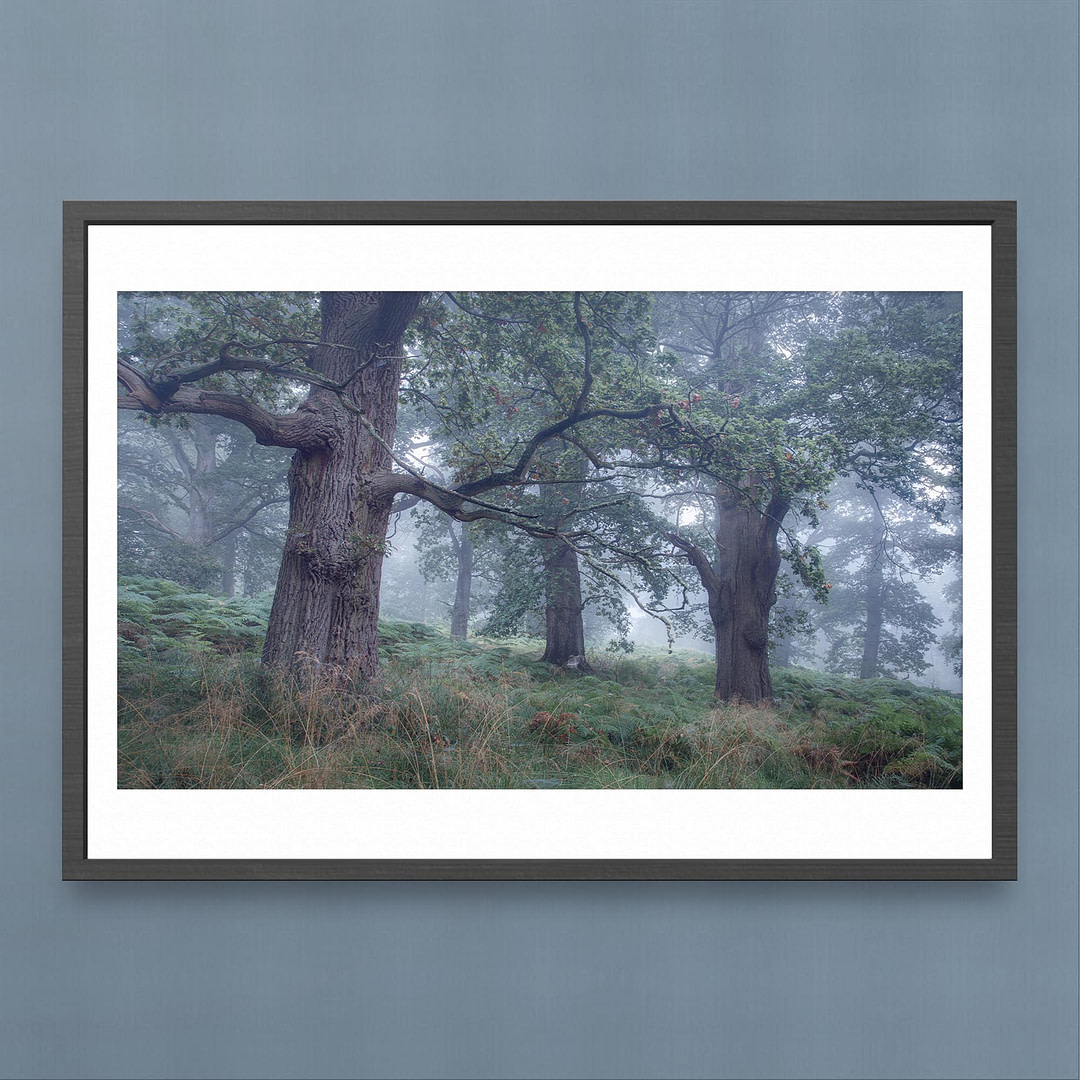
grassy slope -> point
(197, 710)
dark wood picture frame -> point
(1000, 216)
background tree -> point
(782, 392)
(509, 363)
(952, 643)
(791, 622)
(447, 552)
(878, 622)
(199, 497)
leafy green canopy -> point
(253, 343)
(497, 369)
(560, 412)
(782, 393)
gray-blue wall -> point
(544, 100)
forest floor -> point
(196, 710)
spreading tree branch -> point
(303, 429)
(699, 560)
(586, 336)
(518, 472)
(227, 362)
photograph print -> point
(585, 539)
(553, 542)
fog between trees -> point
(776, 477)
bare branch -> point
(238, 525)
(303, 429)
(151, 519)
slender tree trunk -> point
(249, 578)
(326, 607)
(565, 632)
(459, 613)
(875, 605)
(590, 622)
(228, 565)
(198, 475)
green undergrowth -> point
(196, 709)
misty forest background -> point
(540, 540)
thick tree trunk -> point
(565, 631)
(749, 563)
(326, 607)
(564, 626)
(459, 613)
(741, 587)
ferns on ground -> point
(197, 709)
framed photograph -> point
(539, 540)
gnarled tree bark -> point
(741, 590)
(564, 629)
(326, 606)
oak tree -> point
(230, 355)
